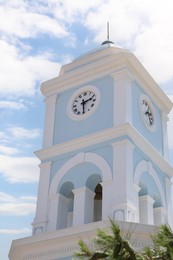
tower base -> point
(62, 244)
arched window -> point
(98, 203)
(93, 183)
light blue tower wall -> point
(67, 129)
(155, 138)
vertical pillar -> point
(107, 188)
(40, 220)
(169, 200)
(83, 206)
(165, 136)
(146, 211)
(62, 212)
(122, 97)
(49, 121)
(52, 214)
(159, 216)
(125, 202)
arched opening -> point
(149, 199)
(98, 203)
(93, 183)
(152, 200)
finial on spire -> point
(107, 41)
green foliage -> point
(162, 244)
(112, 245)
(109, 245)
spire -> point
(107, 41)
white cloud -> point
(23, 133)
(18, 206)
(17, 209)
(74, 10)
(8, 150)
(24, 22)
(19, 169)
(2, 135)
(15, 231)
(145, 27)
(18, 74)
(12, 105)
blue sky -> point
(39, 36)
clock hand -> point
(83, 105)
(89, 99)
(149, 114)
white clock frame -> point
(79, 91)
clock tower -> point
(104, 154)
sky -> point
(36, 38)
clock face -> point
(147, 112)
(84, 102)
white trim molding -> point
(104, 136)
(93, 158)
(143, 166)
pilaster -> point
(40, 220)
(49, 121)
(122, 97)
(165, 136)
(124, 206)
(169, 200)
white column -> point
(159, 216)
(122, 97)
(165, 136)
(83, 206)
(52, 214)
(123, 169)
(42, 198)
(62, 211)
(49, 121)
(136, 196)
(169, 200)
(146, 211)
(125, 203)
(107, 187)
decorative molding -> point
(143, 166)
(63, 243)
(101, 65)
(123, 74)
(104, 136)
(146, 198)
(94, 158)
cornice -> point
(101, 65)
(109, 134)
(83, 74)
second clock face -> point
(147, 112)
(84, 102)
